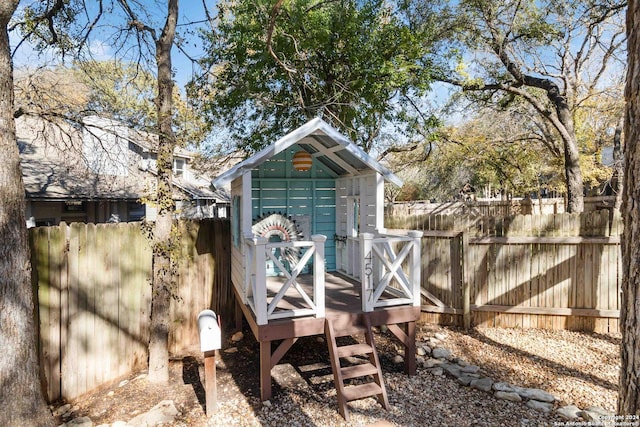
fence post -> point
(466, 286)
(318, 273)
(366, 270)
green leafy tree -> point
(488, 153)
(273, 67)
(553, 54)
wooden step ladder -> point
(371, 368)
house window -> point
(178, 167)
(74, 206)
(353, 216)
(136, 211)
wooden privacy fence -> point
(559, 271)
(94, 290)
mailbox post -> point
(210, 341)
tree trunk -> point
(572, 172)
(20, 389)
(618, 165)
(162, 266)
(629, 395)
(573, 176)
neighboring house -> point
(103, 172)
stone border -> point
(438, 360)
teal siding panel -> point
(312, 198)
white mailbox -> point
(210, 335)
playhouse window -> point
(353, 216)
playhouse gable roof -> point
(325, 144)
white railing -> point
(388, 277)
(259, 250)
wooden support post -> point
(265, 370)
(408, 338)
(210, 387)
(410, 350)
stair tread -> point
(350, 330)
(353, 350)
(360, 391)
(360, 370)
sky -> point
(102, 46)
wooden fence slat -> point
(95, 298)
(549, 262)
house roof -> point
(58, 165)
(326, 145)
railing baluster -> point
(415, 265)
(258, 250)
(318, 273)
(260, 290)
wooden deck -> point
(343, 306)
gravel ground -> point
(577, 368)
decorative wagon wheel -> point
(284, 229)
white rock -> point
(123, 383)
(119, 424)
(453, 370)
(80, 422)
(483, 384)
(545, 407)
(420, 351)
(508, 395)
(437, 371)
(238, 336)
(569, 412)
(267, 403)
(593, 413)
(536, 394)
(398, 359)
(470, 369)
(441, 353)
(440, 336)
(465, 380)
(231, 350)
(61, 410)
(164, 412)
(504, 387)
(430, 363)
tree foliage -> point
(492, 152)
(554, 55)
(113, 89)
(355, 63)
